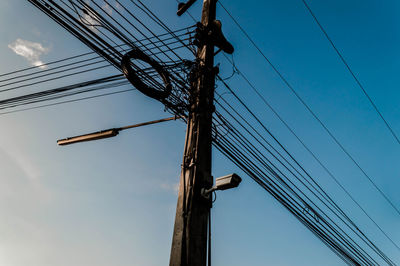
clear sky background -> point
(112, 202)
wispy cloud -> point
(30, 50)
(23, 162)
(174, 188)
(118, 6)
(90, 21)
(107, 8)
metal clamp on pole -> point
(212, 34)
(182, 7)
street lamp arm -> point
(149, 123)
(108, 133)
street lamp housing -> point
(88, 137)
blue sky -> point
(112, 202)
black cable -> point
(89, 37)
(351, 71)
(306, 225)
(312, 113)
(55, 78)
(59, 77)
(93, 52)
(48, 74)
(68, 101)
(151, 15)
(85, 21)
(52, 73)
(252, 150)
(138, 20)
(331, 175)
(286, 202)
(49, 69)
(45, 64)
(156, 19)
(63, 95)
(111, 81)
(270, 134)
(209, 237)
(72, 25)
(358, 255)
(252, 161)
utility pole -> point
(189, 243)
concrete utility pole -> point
(189, 243)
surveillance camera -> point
(227, 182)
(222, 183)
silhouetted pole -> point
(189, 243)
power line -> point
(55, 78)
(85, 54)
(339, 254)
(331, 175)
(78, 88)
(312, 112)
(116, 29)
(325, 196)
(351, 71)
(328, 229)
(67, 101)
(56, 72)
(74, 67)
(253, 150)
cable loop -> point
(136, 81)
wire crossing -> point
(325, 199)
(330, 174)
(238, 133)
(286, 82)
(351, 72)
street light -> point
(108, 133)
(88, 137)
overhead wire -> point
(152, 16)
(373, 247)
(354, 224)
(352, 73)
(286, 82)
(300, 207)
(81, 87)
(93, 52)
(114, 29)
(325, 196)
(351, 253)
(252, 150)
(324, 167)
(76, 28)
(67, 101)
(51, 72)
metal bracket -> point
(212, 33)
(182, 7)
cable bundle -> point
(111, 32)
